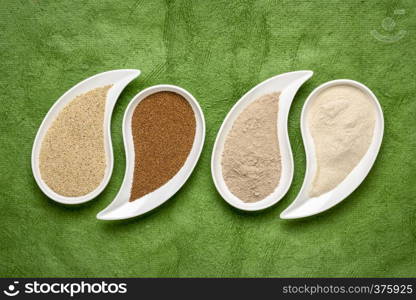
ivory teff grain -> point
(251, 162)
(341, 121)
(72, 158)
(163, 129)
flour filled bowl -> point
(342, 129)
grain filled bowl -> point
(164, 132)
(64, 153)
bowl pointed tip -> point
(285, 215)
(101, 215)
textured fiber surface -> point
(217, 50)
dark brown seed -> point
(163, 128)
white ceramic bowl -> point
(119, 79)
(121, 208)
(304, 205)
(287, 84)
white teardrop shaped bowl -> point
(121, 208)
(303, 205)
(119, 79)
(287, 84)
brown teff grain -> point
(72, 158)
(163, 129)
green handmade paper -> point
(217, 50)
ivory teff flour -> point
(163, 129)
(341, 121)
(72, 156)
(251, 163)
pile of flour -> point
(251, 162)
(341, 121)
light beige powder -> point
(341, 121)
(250, 162)
(72, 158)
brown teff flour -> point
(163, 128)
(250, 162)
(72, 157)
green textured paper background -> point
(217, 50)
